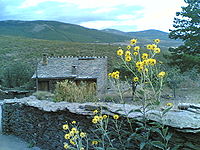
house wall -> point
(75, 68)
(96, 68)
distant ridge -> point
(54, 30)
(147, 36)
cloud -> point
(155, 14)
(99, 24)
(33, 3)
(127, 15)
(103, 10)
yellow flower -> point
(139, 64)
(145, 62)
(151, 61)
(157, 50)
(95, 111)
(149, 46)
(71, 133)
(82, 148)
(67, 136)
(74, 130)
(137, 48)
(116, 117)
(65, 126)
(128, 58)
(66, 146)
(73, 122)
(154, 46)
(161, 74)
(133, 41)
(116, 76)
(127, 53)
(105, 116)
(135, 79)
(140, 69)
(82, 134)
(96, 117)
(109, 74)
(95, 142)
(146, 70)
(169, 104)
(94, 120)
(100, 118)
(135, 53)
(117, 72)
(128, 47)
(145, 56)
(72, 142)
(157, 41)
(120, 52)
(113, 74)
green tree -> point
(187, 28)
(16, 74)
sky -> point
(124, 15)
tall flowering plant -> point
(117, 132)
(144, 69)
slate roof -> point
(61, 67)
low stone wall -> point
(40, 122)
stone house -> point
(53, 69)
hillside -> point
(53, 30)
(147, 36)
(16, 49)
(20, 52)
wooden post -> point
(36, 78)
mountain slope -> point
(147, 36)
(53, 30)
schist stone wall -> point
(40, 122)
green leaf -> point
(156, 114)
(158, 131)
(165, 130)
(111, 148)
(142, 145)
(158, 144)
(166, 110)
(137, 110)
(156, 124)
(118, 110)
(99, 148)
(168, 137)
(176, 147)
(156, 103)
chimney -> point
(44, 59)
(74, 70)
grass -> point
(30, 51)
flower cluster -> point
(73, 135)
(114, 75)
(143, 60)
(169, 104)
(98, 118)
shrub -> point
(16, 74)
(43, 95)
(71, 92)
